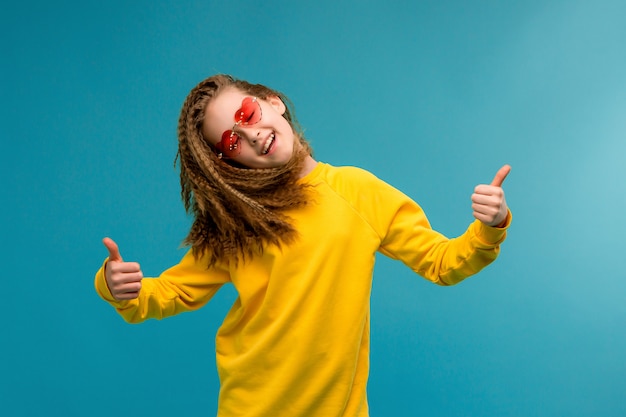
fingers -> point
(487, 207)
(124, 279)
(114, 251)
(501, 176)
(489, 204)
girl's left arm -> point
(406, 233)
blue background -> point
(431, 96)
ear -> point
(277, 103)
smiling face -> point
(264, 138)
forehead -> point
(219, 114)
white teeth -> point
(268, 143)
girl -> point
(297, 238)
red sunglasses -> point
(248, 114)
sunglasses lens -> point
(229, 145)
(249, 113)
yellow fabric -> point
(296, 341)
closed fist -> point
(488, 201)
(123, 278)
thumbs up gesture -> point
(488, 201)
(123, 278)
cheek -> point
(206, 135)
(289, 130)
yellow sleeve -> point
(407, 236)
(184, 287)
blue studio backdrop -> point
(431, 96)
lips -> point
(268, 144)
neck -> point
(309, 164)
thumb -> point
(501, 175)
(114, 251)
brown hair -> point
(236, 210)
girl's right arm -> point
(184, 287)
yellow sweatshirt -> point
(296, 341)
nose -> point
(249, 134)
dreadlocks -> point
(236, 210)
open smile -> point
(269, 144)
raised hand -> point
(488, 201)
(123, 278)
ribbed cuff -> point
(493, 236)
